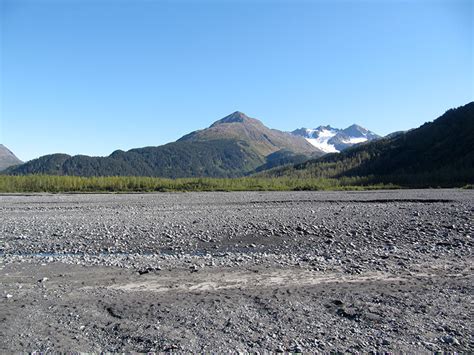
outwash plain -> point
(243, 271)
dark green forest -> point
(439, 153)
(218, 158)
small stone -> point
(296, 349)
(337, 302)
(448, 339)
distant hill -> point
(221, 158)
(437, 153)
(233, 146)
(334, 140)
(7, 158)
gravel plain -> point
(382, 271)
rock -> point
(448, 339)
(296, 349)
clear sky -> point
(89, 77)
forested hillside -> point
(222, 158)
(437, 153)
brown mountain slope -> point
(264, 140)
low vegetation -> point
(56, 184)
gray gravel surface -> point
(282, 272)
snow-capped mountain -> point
(319, 137)
(334, 140)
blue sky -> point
(89, 77)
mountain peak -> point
(7, 158)
(355, 126)
(234, 117)
(239, 114)
(359, 132)
(327, 127)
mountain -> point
(236, 145)
(439, 153)
(7, 158)
(239, 126)
(334, 140)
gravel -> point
(251, 271)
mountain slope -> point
(334, 140)
(439, 152)
(241, 127)
(7, 158)
(233, 146)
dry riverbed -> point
(250, 271)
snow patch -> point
(355, 140)
(324, 135)
(327, 138)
